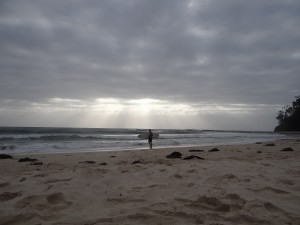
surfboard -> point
(145, 135)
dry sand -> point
(236, 185)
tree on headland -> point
(289, 117)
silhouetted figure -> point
(150, 136)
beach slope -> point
(231, 184)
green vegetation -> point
(289, 117)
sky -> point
(206, 64)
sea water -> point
(20, 140)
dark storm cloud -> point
(227, 51)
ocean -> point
(21, 140)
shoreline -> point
(239, 184)
(63, 140)
(96, 150)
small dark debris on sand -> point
(196, 150)
(258, 143)
(259, 152)
(271, 144)
(103, 164)
(112, 156)
(136, 162)
(5, 156)
(214, 150)
(192, 157)
(287, 150)
(88, 162)
(27, 159)
(174, 155)
(36, 164)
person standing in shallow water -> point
(150, 136)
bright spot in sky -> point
(146, 105)
(139, 107)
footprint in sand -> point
(288, 182)
(213, 203)
(268, 208)
(57, 180)
(191, 171)
(217, 180)
(270, 190)
(6, 196)
(41, 175)
(15, 219)
(55, 201)
(272, 208)
(276, 210)
(206, 203)
(266, 164)
(124, 200)
(230, 177)
(4, 184)
(246, 219)
(236, 202)
(166, 215)
(101, 171)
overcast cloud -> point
(225, 64)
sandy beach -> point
(231, 184)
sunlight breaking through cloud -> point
(132, 113)
(145, 106)
(140, 106)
